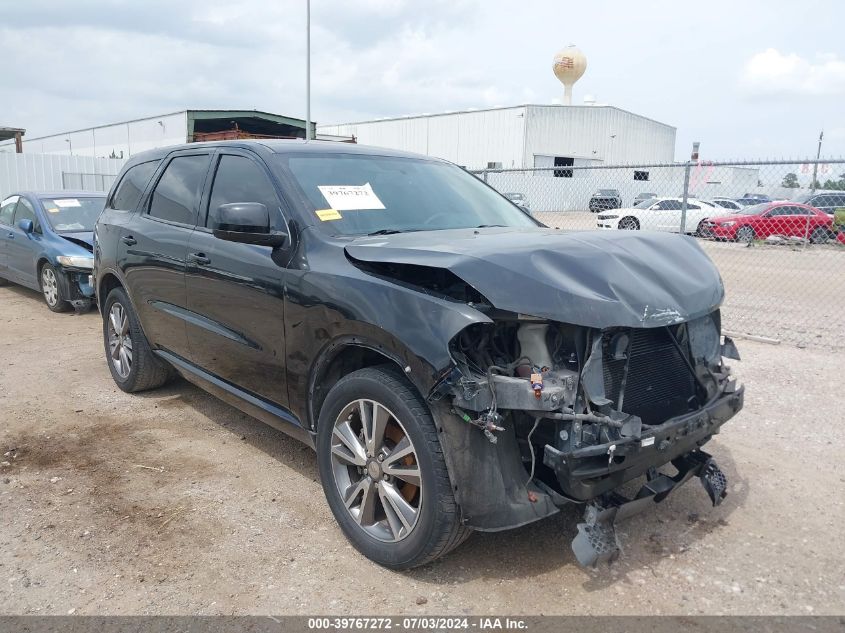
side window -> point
(239, 179)
(691, 206)
(25, 211)
(670, 205)
(132, 185)
(176, 196)
(7, 210)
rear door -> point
(235, 291)
(7, 215)
(153, 245)
(22, 249)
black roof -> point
(281, 146)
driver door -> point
(236, 291)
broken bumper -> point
(596, 539)
(589, 472)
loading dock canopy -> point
(8, 133)
(209, 125)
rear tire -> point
(350, 468)
(132, 364)
(629, 224)
(51, 289)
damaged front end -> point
(538, 414)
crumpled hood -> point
(85, 239)
(595, 278)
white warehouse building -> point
(522, 136)
(568, 148)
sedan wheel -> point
(375, 469)
(745, 234)
(51, 289)
(629, 224)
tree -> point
(790, 181)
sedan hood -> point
(595, 279)
(85, 239)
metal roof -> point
(497, 108)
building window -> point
(494, 165)
(640, 175)
(563, 161)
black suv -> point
(455, 365)
(604, 200)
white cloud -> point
(771, 72)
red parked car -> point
(759, 221)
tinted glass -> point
(176, 196)
(25, 211)
(240, 179)
(132, 186)
(7, 210)
(754, 209)
(416, 195)
(71, 215)
(645, 204)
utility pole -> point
(308, 70)
(687, 168)
(816, 165)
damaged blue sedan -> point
(46, 243)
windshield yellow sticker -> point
(351, 197)
(53, 210)
(328, 214)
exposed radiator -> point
(659, 384)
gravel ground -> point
(172, 502)
(793, 294)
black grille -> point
(659, 384)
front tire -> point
(745, 235)
(51, 288)
(132, 364)
(629, 224)
(383, 472)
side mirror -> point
(26, 225)
(245, 222)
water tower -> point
(570, 63)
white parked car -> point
(659, 214)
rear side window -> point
(132, 186)
(176, 196)
(240, 179)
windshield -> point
(644, 204)
(355, 195)
(73, 214)
(803, 198)
(606, 192)
(514, 196)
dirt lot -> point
(172, 502)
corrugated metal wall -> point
(603, 133)
(40, 172)
(470, 139)
(120, 139)
(522, 136)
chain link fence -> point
(775, 229)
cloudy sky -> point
(747, 78)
